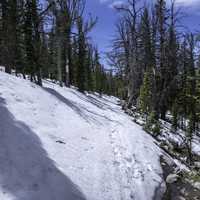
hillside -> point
(59, 144)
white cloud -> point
(112, 3)
(187, 2)
(115, 4)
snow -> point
(59, 144)
(2, 68)
(196, 145)
(170, 137)
(179, 137)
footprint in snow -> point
(128, 159)
(18, 100)
(116, 163)
(86, 149)
(84, 138)
(81, 168)
(35, 187)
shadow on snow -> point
(26, 171)
(82, 111)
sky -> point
(104, 31)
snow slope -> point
(59, 144)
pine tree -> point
(98, 73)
(28, 40)
(145, 95)
(81, 56)
(146, 51)
(89, 68)
(161, 12)
(175, 115)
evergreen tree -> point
(145, 97)
(81, 56)
(161, 16)
(98, 73)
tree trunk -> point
(59, 61)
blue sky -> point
(104, 29)
(107, 17)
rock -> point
(197, 185)
(182, 191)
(197, 165)
(166, 147)
(171, 147)
(172, 178)
(181, 198)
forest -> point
(158, 62)
(50, 40)
(153, 65)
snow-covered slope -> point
(59, 144)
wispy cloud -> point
(115, 4)
(184, 3)
(188, 6)
(112, 3)
(187, 2)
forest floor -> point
(59, 144)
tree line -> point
(158, 62)
(50, 39)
